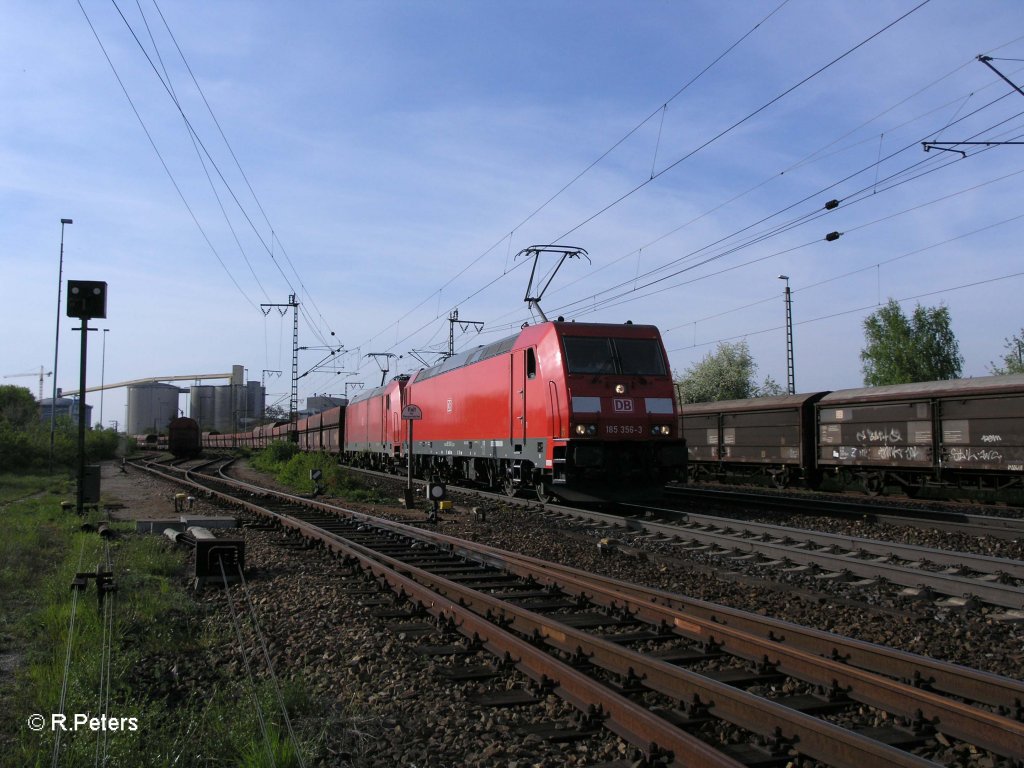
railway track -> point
(924, 572)
(1008, 527)
(672, 676)
(960, 580)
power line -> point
(163, 163)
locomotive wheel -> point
(544, 494)
(509, 487)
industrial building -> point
(65, 407)
(224, 408)
(153, 403)
(320, 403)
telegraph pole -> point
(790, 369)
(453, 319)
(293, 404)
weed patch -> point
(147, 672)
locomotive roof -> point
(983, 385)
(502, 346)
(366, 394)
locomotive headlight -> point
(620, 389)
(666, 430)
(591, 429)
(581, 429)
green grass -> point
(291, 468)
(15, 487)
(159, 628)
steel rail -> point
(633, 722)
(911, 552)
(958, 720)
(815, 737)
(974, 525)
(821, 658)
(952, 679)
(991, 592)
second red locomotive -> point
(574, 410)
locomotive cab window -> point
(640, 357)
(630, 357)
(587, 354)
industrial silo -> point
(151, 407)
(254, 400)
(202, 406)
(224, 409)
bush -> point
(28, 446)
(277, 453)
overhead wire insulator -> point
(831, 204)
(832, 236)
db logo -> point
(623, 405)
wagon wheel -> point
(780, 479)
(913, 490)
(874, 483)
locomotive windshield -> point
(629, 357)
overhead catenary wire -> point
(405, 325)
(197, 140)
(864, 308)
(874, 266)
(592, 304)
(163, 162)
(815, 213)
(572, 181)
(702, 146)
(814, 156)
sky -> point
(385, 162)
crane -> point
(42, 373)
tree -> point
(725, 374)
(901, 350)
(17, 406)
(275, 412)
(1013, 360)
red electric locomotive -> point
(575, 410)
(373, 427)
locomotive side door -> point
(517, 393)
